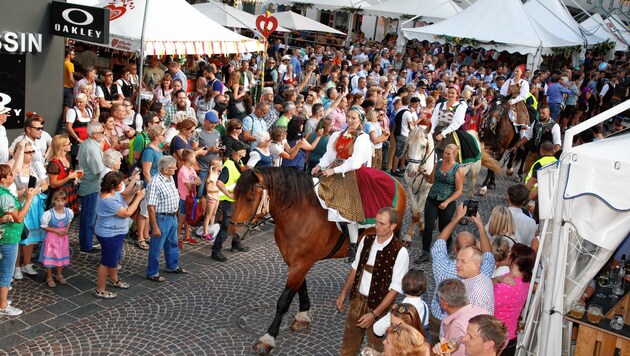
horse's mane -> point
(286, 186)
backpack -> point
(143, 136)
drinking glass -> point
(614, 282)
(594, 313)
(617, 322)
(577, 309)
(602, 280)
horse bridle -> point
(420, 163)
(260, 212)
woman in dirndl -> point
(446, 121)
(516, 90)
(350, 190)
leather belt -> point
(168, 214)
(368, 268)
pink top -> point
(508, 303)
(185, 175)
(454, 325)
(211, 184)
(338, 118)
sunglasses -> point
(40, 128)
(239, 128)
(30, 152)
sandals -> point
(51, 282)
(119, 284)
(177, 271)
(61, 279)
(105, 294)
(157, 278)
(142, 244)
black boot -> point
(352, 252)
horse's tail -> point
(489, 162)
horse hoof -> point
(299, 325)
(406, 244)
(261, 348)
(482, 191)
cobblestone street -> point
(216, 309)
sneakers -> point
(239, 247)
(17, 275)
(209, 238)
(28, 269)
(190, 240)
(11, 311)
(218, 256)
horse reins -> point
(261, 210)
(420, 163)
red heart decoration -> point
(115, 11)
(266, 24)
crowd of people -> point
(342, 115)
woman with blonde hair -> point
(60, 176)
(501, 223)
(377, 136)
(404, 340)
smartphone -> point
(32, 181)
(473, 206)
(139, 184)
(136, 170)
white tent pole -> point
(142, 54)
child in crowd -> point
(212, 194)
(501, 250)
(414, 284)
(187, 180)
(56, 249)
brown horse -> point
(498, 135)
(303, 233)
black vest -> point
(126, 88)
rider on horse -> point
(352, 192)
(446, 121)
(516, 89)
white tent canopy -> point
(585, 213)
(429, 10)
(617, 28)
(506, 27)
(199, 35)
(229, 16)
(548, 12)
(595, 24)
(293, 21)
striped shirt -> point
(162, 194)
(445, 268)
(480, 292)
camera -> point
(299, 135)
(139, 184)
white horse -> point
(421, 159)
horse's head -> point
(419, 150)
(252, 203)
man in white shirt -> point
(370, 298)
(525, 226)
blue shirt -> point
(445, 268)
(297, 66)
(181, 76)
(108, 224)
(153, 156)
(254, 125)
(554, 93)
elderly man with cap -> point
(4, 140)
(226, 183)
(207, 136)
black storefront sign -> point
(13, 88)
(80, 22)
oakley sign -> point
(80, 22)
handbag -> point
(25, 233)
(195, 209)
